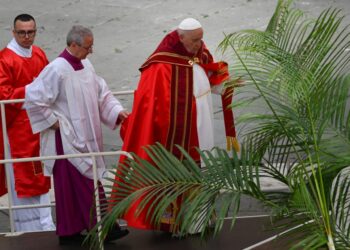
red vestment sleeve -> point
(148, 122)
(218, 73)
(7, 89)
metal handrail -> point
(6, 154)
(57, 157)
(126, 92)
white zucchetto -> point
(189, 24)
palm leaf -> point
(291, 65)
(296, 122)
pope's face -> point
(192, 40)
(24, 33)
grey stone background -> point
(127, 31)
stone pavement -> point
(127, 31)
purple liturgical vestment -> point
(70, 93)
(73, 191)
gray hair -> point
(77, 34)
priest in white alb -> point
(66, 104)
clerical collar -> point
(18, 49)
(73, 61)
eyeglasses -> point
(87, 48)
(24, 33)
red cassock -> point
(15, 73)
(164, 110)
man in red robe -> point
(20, 63)
(172, 104)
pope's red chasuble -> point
(164, 111)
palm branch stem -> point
(322, 202)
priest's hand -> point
(122, 116)
(55, 126)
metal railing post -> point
(7, 166)
(8, 160)
(97, 199)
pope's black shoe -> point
(75, 239)
(116, 233)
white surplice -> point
(80, 100)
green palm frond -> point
(295, 68)
(222, 177)
(341, 208)
(296, 132)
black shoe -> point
(116, 233)
(75, 239)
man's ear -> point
(181, 37)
